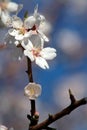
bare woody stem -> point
(30, 76)
(29, 70)
(74, 104)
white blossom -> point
(35, 51)
(2, 127)
(34, 22)
(7, 7)
(19, 29)
(32, 91)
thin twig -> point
(30, 76)
(60, 114)
(29, 70)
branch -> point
(33, 107)
(29, 70)
(74, 104)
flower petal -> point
(41, 62)
(17, 43)
(12, 32)
(19, 37)
(27, 34)
(48, 53)
(42, 35)
(36, 41)
(42, 18)
(12, 6)
(29, 22)
(36, 10)
(27, 44)
(2, 127)
(16, 22)
(29, 54)
(5, 17)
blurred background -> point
(67, 31)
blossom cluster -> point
(27, 33)
(6, 8)
(29, 36)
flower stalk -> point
(33, 106)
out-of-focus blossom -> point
(35, 51)
(32, 91)
(2, 127)
(45, 27)
(69, 42)
(78, 6)
(7, 7)
(34, 23)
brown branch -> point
(29, 70)
(74, 104)
(72, 98)
(30, 76)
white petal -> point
(43, 36)
(42, 18)
(36, 41)
(13, 32)
(41, 62)
(2, 127)
(30, 45)
(49, 49)
(29, 54)
(35, 10)
(19, 37)
(29, 22)
(27, 34)
(48, 53)
(17, 43)
(12, 6)
(5, 17)
(16, 22)
(27, 44)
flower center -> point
(36, 52)
(32, 92)
(22, 30)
